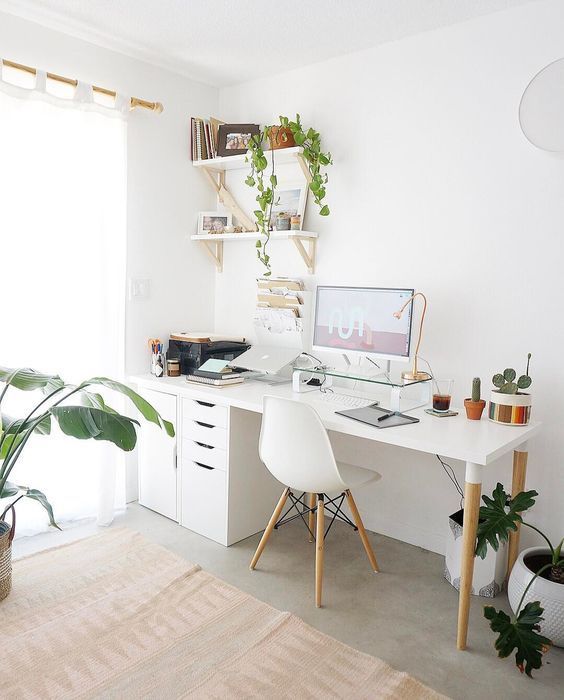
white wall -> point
(434, 186)
(164, 191)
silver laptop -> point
(265, 358)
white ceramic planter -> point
(489, 573)
(510, 409)
(550, 595)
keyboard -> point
(344, 400)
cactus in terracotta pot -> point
(475, 405)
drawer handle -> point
(204, 466)
(203, 444)
(205, 403)
(204, 425)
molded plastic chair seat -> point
(295, 448)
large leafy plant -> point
(310, 142)
(498, 517)
(89, 418)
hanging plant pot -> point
(281, 137)
(510, 409)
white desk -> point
(478, 443)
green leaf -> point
(508, 388)
(28, 379)
(498, 380)
(250, 181)
(9, 490)
(40, 497)
(273, 180)
(509, 374)
(93, 400)
(524, 382)
(499, 516)
(520, 634)
(324, 211)
(143, 406)
(86, 423)
(299, 138)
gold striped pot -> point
(510, 409)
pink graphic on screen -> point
(362, 320)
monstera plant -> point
(79, 412)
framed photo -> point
(291, 198)
(213, 221)
(233, 139)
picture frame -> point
(290, 198)
(233, 139)
(213, 222)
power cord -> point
(452, 476)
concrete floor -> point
(405, 615)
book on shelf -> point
(204, 133)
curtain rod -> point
(134, 102)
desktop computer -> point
(360, 321)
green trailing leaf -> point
(499, 516)
(520, 634)
(324, 211)
(143, 406)
(509, 374)
(86, 423)
(40, 497)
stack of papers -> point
(279, 304)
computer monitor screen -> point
(361, 319)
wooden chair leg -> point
(270, 527)
(362, 532)
(311, 519)
(319, 537)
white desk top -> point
(481, 441)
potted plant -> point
(508, 405)
(310, 142)
(91, 418)
(536, 583)
(475, 405)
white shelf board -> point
(252, 236)
(283, 155)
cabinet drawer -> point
(205, 412)
(204, 506)
(205, 432)
(206, 454)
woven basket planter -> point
(6, 536)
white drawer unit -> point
(204, 500)
(206, 454)
(205, 433)
(205, 412)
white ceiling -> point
(229, 41)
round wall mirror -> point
(541, 112)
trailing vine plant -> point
(310, 142)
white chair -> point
(295, 448)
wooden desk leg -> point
(519, 473)
(472, 492)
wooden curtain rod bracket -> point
(134, 102)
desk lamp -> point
(415, 375)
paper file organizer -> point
(282, 315)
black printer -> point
(194, 349)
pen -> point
(386, 415)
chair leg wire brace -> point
(318, 504)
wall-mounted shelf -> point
(213, 243)
(282, 156)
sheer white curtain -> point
(62, 276)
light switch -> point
(139, 288)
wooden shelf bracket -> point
(227, 199)
(308, 256)
(215, 251)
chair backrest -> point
(295, 447)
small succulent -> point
(476, 386)
(506, 384)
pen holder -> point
(157, 364)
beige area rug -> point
(115, 616)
